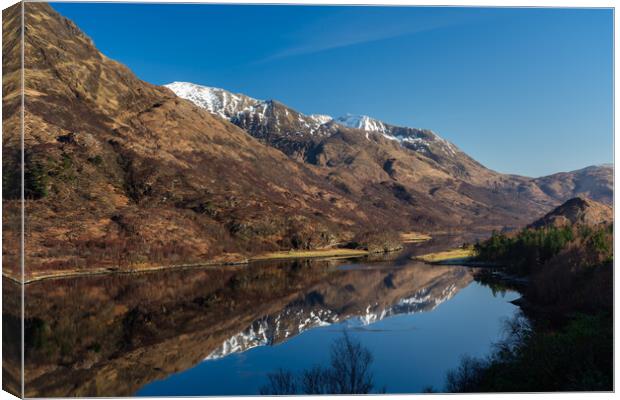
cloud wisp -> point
(337, 32)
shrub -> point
(35, 181)
(578, 356)
(96, 160)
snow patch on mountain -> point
(414, 139)
(320, 118)
(215, 100)
(250, 113)
(363, 122)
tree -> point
(281, 382)
(350, 367)
(348, 373)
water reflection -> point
(111, 335)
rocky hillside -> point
(368, 157)
(121, 172)
(578, 210)
(415, 173)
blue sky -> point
(526, 91)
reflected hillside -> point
(400, 291)
(112, 335)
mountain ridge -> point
(307, 147)
(120, 172)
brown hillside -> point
(119, 171)
(578, 210)
(594, 182)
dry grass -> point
(447, 255)
(413, 237)
(35, 276)
(279, 255)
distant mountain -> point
(421, 140)
(595, 182)
(326, 141)
(371, 158)
(288, 129)
(426, 178)
(578, 210)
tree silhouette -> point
(348, 373)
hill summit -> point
(578, 210)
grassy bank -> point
(414, 237)
(373, 243)
(452, 255)
(134, 269)
(319, 253)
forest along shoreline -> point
(562, 265)
(369, 245)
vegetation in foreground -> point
(568, 298)
(578, 356)
(348, 373)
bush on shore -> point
(577, 357)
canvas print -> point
(230, 199)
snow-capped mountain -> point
(249, 112)
(401, 166)
(217, 101)
(420, 140)
(271, 119)
(321, 119)
(363, 122)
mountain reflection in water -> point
(313, 311)
(112, 335)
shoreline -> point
(315, 254)
(276, 256)
(110, 271)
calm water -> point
(218, 331)
(411, 351)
